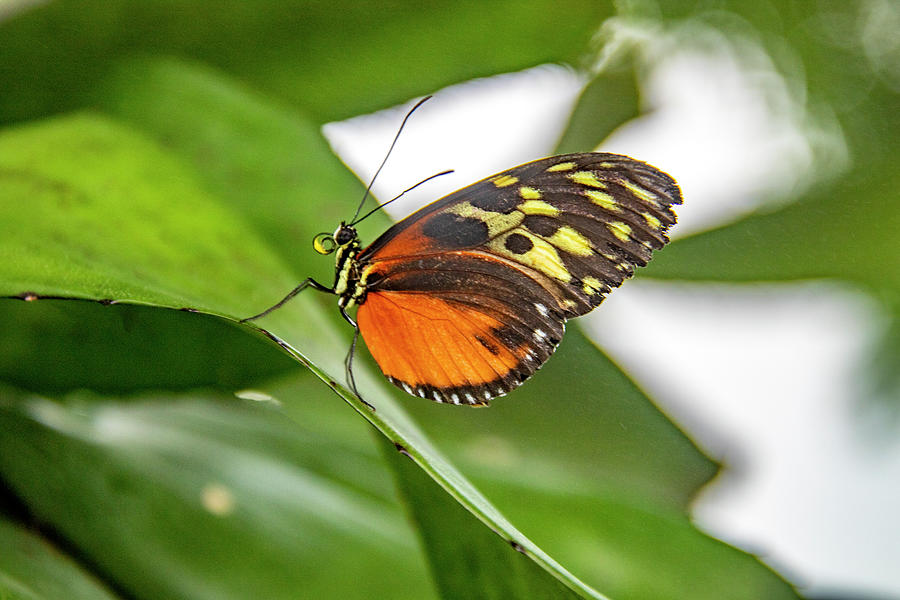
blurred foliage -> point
(134, 349)
(168, 155)
(845, 225)
(197, 496)
(32, 568)
(330, 60)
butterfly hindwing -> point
(485, 278)
(464, 334)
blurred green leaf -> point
(466, 558)
(268, 164)
(55, 346)
(607, 101)
(197, 496)
(32, 569)
(631, 548)
(334, 61)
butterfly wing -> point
(459, 327)
(468, 296)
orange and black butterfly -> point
(466, 298)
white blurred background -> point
(765, 378)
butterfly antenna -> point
(386, 156)
(397, 197)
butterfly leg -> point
(348, 363)
(309, 282)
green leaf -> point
(630, 547)
(607, 101)
(600, 432)
(465, 557)
(268, 164)
(96, 211)
(202, 496)
(56, 346)
(334, 61)
(32, 569)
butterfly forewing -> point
(468, 296)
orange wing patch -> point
(439, 350)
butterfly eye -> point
(324, 243)
(344, 235)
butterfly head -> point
(326, 243)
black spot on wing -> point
(518, 243)
(542, 225)
(495, 200)
(511, 336)
(489, 345)
(455, 231)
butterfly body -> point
(463, 300)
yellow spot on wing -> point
(602, 199)
(645, 195)
(566, 166)
(496, 222)
(617, 262)
(651, 220)
(620, 230)
(542, 257)
(538, 207)
(567, 239)
(592, 285)
(529, 193)
(505, 181)
(586, 178)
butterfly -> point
(463, 300)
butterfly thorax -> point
(347, 281)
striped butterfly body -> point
(463, 300)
